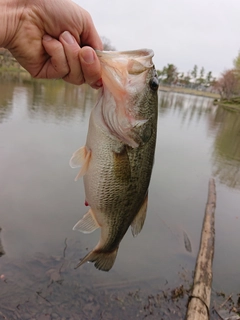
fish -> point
(117, 160)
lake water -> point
(41, 125)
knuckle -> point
(74, 80)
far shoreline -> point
(21, 72)
(190, 91)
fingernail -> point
(88, 56)
(99, 83)
(68, 37)
(47, 37)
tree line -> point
(228, 85)
(195, 78)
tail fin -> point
(103, 260)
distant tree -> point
(201, 80)
(181, 75)
(170, 74)
(107, 46)
(228, 84)
(236, 62)
(187, 80)
(213, 82)
(194, 72)
(160, 74)
(181, 78)
(202, 71)
(209, 78)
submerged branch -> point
(2, 252)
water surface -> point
(41, 125)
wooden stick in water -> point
(199, 301)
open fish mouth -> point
(124, 74)
(130, 53)
(137, 61)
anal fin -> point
(87, 224)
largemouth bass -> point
(117, 160)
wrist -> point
(10, 16)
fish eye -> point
(153, 83)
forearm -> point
(10, 16)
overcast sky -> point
(182, 32)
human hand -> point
(45, 37)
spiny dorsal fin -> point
(80, 158)
(87, 224)
(138, 221)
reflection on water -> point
(187, 106)
(41, 124)
(226, 155)
(47, 99)
(224, 124)
(6, 96)
(62, 101)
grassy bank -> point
(189, 91)
(14, 75)
(8, 73)
(230, 104)
(12, 69)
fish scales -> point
(118, 157)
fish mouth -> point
(147, 53)
(124, 75)
(142, 59)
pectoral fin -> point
(80, 158)
(87, 224)
(138, 221)
(122, 168)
